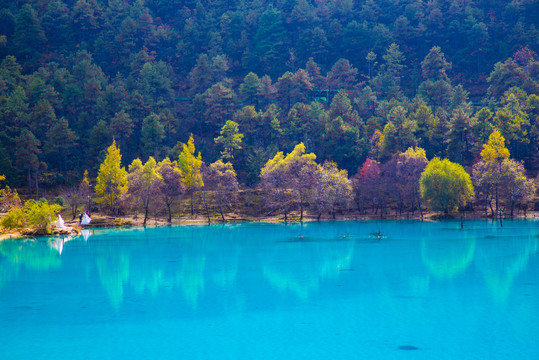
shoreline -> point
(100, 221)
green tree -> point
(230, 139)
(435, 66)
(28, 149)
(153, 134)
(29, 35)
(249, 88)
(122, 128)
(190, 169)
(269, 41)
(459, 138)
(60, 142)
(398, 132)
(445, 185)
(111, 182)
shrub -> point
(40, 214)
(14, 219)
(9, 198)
(59, 200)
(36, 215)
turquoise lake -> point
(330, 290)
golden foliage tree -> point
(189, 166)
(111, 183)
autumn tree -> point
(9, 198)
(171, 187)
(77, 194)
(220, 178)
(331, 188)
(285, 179)
(111, 183)
(445, 185)
(144, 183)
(366, 185)
(190, 169)
(499, 178)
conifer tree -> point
(111, 183)
(190, 171)
(230, 139)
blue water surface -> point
(331, 290)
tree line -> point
(406, 183)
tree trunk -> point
(492, 210)
(30, 181)
(206, 206)
(145, 215)
(192, 210)
(300, 206)
(221, 209)
(169, 213)
(37, 185)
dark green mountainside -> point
(350, 79)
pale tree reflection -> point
(502, 260)
(300, 267)
(449, 258)
(113, 270)
(190, 278)
(29, 254)
(145, 268)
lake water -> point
(331, 290)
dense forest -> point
(358, 82)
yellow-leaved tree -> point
(144, 183)
(446, 185)
(189, 166)
(288, 179)
(500, 179)
(111, 182)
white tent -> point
(85, 219)
(59, 223)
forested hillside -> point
(350, 79)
